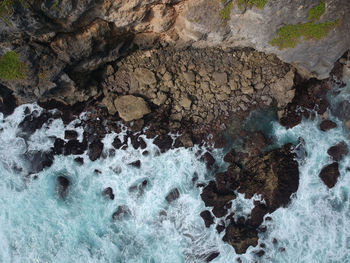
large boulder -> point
(131, 108)
(329, 174)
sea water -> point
(36, 225)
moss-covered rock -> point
(11, 67)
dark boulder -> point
(95, 150)
(70, 135)
(257, 215)
(207, 218)
(108, 192)
(329, 174)
(327, 125)
(136, 164)
(33, 122)
(117, 143)
(58, 146)
(173, 195)
(338, 151)
(62, 186)
(75, 147)
(138, 142)
(164, 142)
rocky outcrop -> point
(338, 151)
(274, 175)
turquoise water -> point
(37, 226)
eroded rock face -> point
(131, 108)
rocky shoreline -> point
(172, 99)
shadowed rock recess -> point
(195, 68)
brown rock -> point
(145, 76)
(338, 151)
(329, 174)
(327, 125)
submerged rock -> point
(38, 160)
(136, 164)
(70, 135)
(109, 193)
(62, 186)
(338, 151)
(212, 256)
(121, 213)
(329, 174)
(173, 195)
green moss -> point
(290, 35)
(316, 12)
(226, 11)
(11, 67)
(260, 4)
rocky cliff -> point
(65, 44)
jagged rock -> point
(75, 147)
(329, 174)
(327, 125)
(212, 256)
(164, 142)
(131, 108)
(207, 218)
(240, 237)
(208, 159)
(189, 77)
(338, 151)
(282, 89)
(185, 102)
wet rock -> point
(329, 174)
(138, 142)
(109, 193)
(212, 197)
(95, 150)
(38, 160)
(33, 122)
(131, 107)
(338, 151)
(117, 143)
(327, 125)
(7, 101)
(70, 135)
(164, 142)
(140, 188)
(75, 147)
(173, 195)
(207, 217)
(212, 256)
(257, 215)
(308, 95)
(62, 186)
(121, 213)
(58, 146)
(79, 160)
(220, 228)
(136, 164)
(208, 159)
(240, 237)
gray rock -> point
(220, 78)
